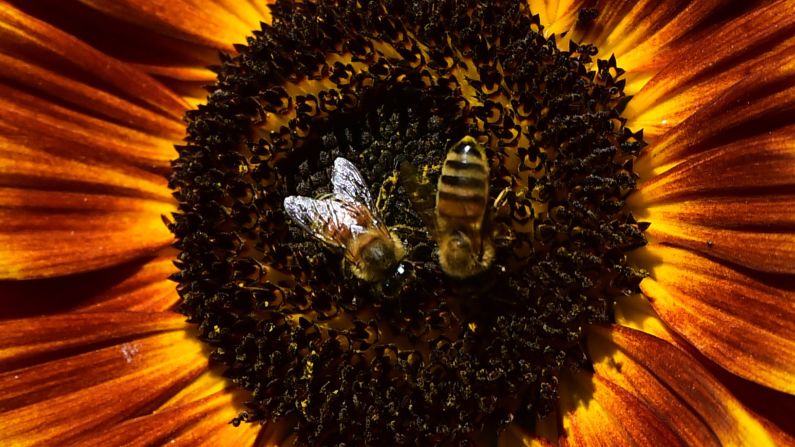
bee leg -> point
(385, 192)
(406, 228)
(502, 234)
(502, 198)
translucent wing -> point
(347, 181)
(335, 221)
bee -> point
(347, 219)
(459, 219)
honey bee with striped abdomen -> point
(458, 220)
(462, 196)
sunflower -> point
(642, 169)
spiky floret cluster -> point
(419, 358)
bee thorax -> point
(375, 255)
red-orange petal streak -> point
(47, 234)
(691, 39)
(79, 95)
(146, 290)
(204, 422)
(617, 367)
(765, 251)
(610, 415)
(206, 22)
(189, 74)
(40, 123)
(674, 384)
(760, 165)
(638, 32)
(35, 41)
(30, 338)
(696, 78)
(763, 213)
(57, 401)
(757, 105)
(737, 321)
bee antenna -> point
(399, 160)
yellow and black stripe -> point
(462, 192)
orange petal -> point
(676, 387)
(57, 401)
(734, 319)
(764, 251)
(761, 103)
(100, 103)
(692, 81)
(25, 340)
(34, 163)
(26, 38)
(205, 22)
(189, 74)
(201, 422)
(763, 213)
(696, 32)
(137, 285)
(759, 165)
(40, 123)
(56, 233)
(148, 289)
(599, 412)
(636, 31)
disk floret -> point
(414, 357)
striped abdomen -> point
(463, 186)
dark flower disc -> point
(418, 358)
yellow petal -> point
(557, 16)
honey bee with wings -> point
(347, 219)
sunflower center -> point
(413, 356)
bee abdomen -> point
(463, 187)
(474, 184)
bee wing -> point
(347, 181)
(333, 221)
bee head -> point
(458, 256)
